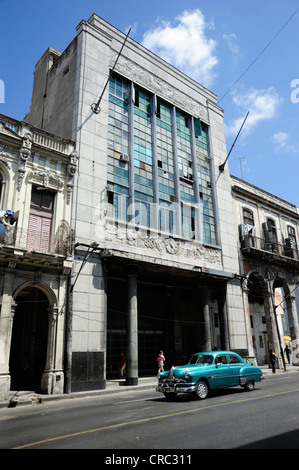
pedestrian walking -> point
(288, 353)
(272, 359)
(160, 359)
(123, 363)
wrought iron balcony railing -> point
(31, 240)
(287, 250)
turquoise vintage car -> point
(207, 371)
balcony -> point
(21, 239)
(270, 250)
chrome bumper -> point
(179, 387)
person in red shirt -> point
(160, 359)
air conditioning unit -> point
(124, 158)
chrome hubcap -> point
(202, 390)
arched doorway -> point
(29, 339)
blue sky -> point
(213, 41)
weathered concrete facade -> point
(149, 192)
(36, 173)
(268, 236)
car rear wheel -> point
(249, 386)
(202, 390)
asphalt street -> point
(131, 421)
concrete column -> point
(132, 332)
(207, 326)
(224, 334)
(52, 378)
(275, 342)
(52, 317)
(7, 311)
(249, 332)
(294, 328)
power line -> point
(253, 62)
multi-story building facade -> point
(153, 216)
(36, 182)
(269, 261)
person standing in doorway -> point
(123, 363)
(272, 359)
(160, 359)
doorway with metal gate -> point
(29, 340)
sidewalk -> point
(112, 386)
(17, 398)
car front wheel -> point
(202, 390)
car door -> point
(235, 366)
(224, 374)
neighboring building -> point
(36, 182)
(150, 193)
(268, 239)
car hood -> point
(179, 371)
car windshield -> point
(201, 359)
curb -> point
(32, 398)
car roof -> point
(215, 352)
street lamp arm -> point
(91, 248)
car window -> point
(201, 359)
(221, 360)
(192, 360)
(233, 360)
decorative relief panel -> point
(50, 178)
(6, 154)
(25, 153)
(46, 178)
(159, 86)
(162, 245)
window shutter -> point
(45, 234)
(40, 220)
(34, 231)
(39, 233)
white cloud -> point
(232, 44)
(281, 140)
(185, 45)
(262, 106)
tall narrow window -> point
(118, 149)
(270, 235)
(40, 220)
(247, 229)
(143, 159)
(165, 156)
(204, 173)
(248, 219)
(272, 230)
(291, 243)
